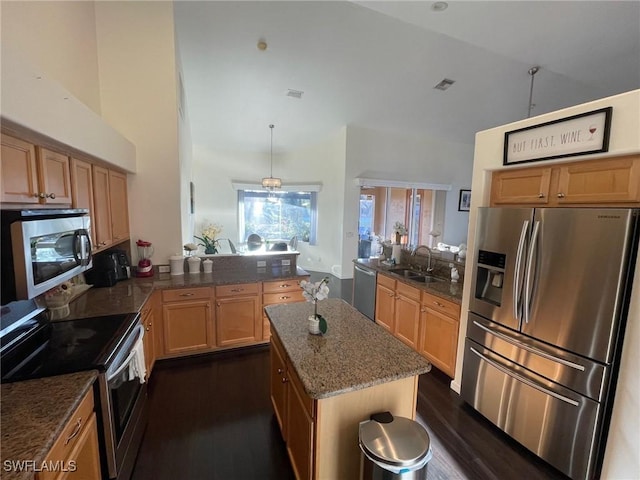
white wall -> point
(395, 156)
(60, 38)
(621, 456)
(136, 53)
(216, 201)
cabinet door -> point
(407, 320)
(102, 207)
(82, 189)
(439, 340)
(119, 206)
(238, 320)
(54, 177)
(300, 432)
(86, 454)
(187, 326)
(615, 180)
(19, 171)
(149, 338)
(385, 307)
(279, 387)
(521, 186)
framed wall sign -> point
(464, 202)
(581, 134)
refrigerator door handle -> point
(528, 288)
(530, 349)
(516, 278)
(524, 380)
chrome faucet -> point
(423, 247)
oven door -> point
(123, 396)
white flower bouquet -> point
(314, 292)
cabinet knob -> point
(438, 304)
(285, 285)
(42, 195)
(284, 380)
(186, 294)
(423, 310)
(560, 195)
(148, 329)
(280, 370)
(284, 297)
(541, 195)
(51, 195)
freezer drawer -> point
(576, 373)
(555, 423)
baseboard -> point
(455, 386)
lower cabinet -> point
(149, 341)
(238, 317)
(294, 411)
(187, 320)
(76, 450)
(427, 323)
(278, 292)
(439, 325)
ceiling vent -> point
(444, 84)
(294, 93)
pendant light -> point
(532, 72)
(271, 183)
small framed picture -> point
(464, 202)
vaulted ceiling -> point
(375, 65)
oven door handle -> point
(132, 354)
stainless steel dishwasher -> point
(364, 290)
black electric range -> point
(41, 348)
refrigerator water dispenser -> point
(490, 276)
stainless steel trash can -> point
(393, 448)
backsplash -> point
(439, 262)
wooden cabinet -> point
(33, 175)
(187, 321)
(439, 325)
(295, 412)
(82, 189)
(238, 317)
(602, 182)
(279, 388)
(111, 218)
(149, 341)
(407, 314)
(385, 302)
(398, 309)
(76, 450)
(278, 292)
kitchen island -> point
(322, 387)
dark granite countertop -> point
(445, 289)
(128, 296)
(34, 413)
(355, 353)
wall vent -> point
(444, 84)
(294, 93)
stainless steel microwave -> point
(47, 247)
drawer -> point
(441, 305)
(240, 289)
(277, 286)
(71, 433)
(282, 297)
(180, 294)
(408, 291)
(387, 282)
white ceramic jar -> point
(207, 265)
(176, 263)
(194, 264)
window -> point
(278, 215)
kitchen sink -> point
(405, 272)
(425, 279)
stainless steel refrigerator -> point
(549, 300)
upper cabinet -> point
(603, 182)
(33, 175)
(111, 217)
(82, 188)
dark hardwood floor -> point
(211, 418)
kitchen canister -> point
(194, 264)
(176, 263)
(207, 265)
